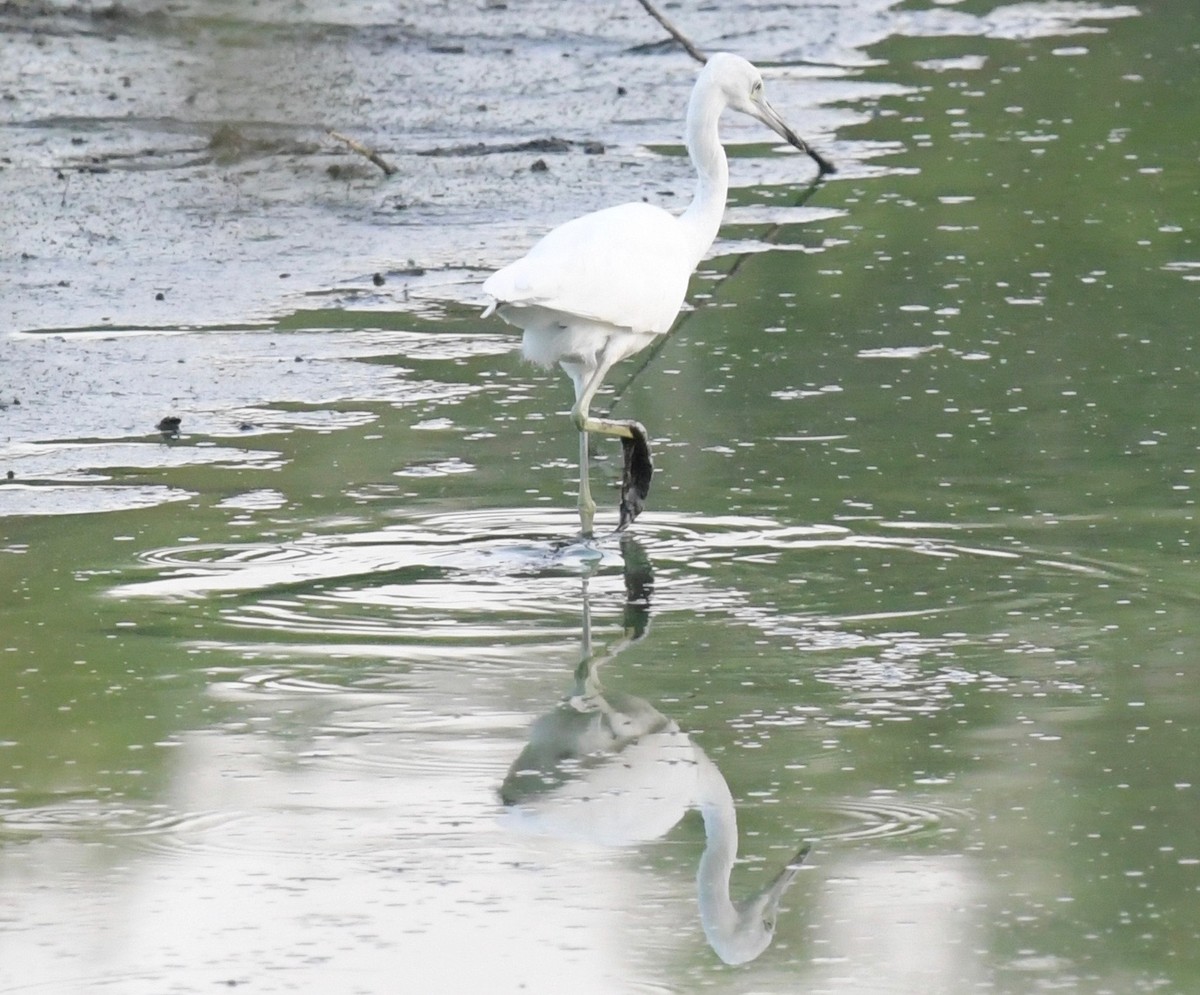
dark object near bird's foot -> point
(635, 478)
(169, 426)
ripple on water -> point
(883, 816)
(479, 577)
(536, 541)
(689, 537)
(441, 615)
(119, 824)
(492, 544)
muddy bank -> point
(174, 168)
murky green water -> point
(917, 582)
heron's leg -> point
(587, 507)
(585, 390)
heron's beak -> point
(780, 883)
(766, 902)
(770, 117)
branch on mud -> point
(542, 145)
(674, 32)
(375, 157)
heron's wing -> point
(626, 266)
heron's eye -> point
(756, 89)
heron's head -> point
(753, 927)
(742, 87)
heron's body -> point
(625, 267)
(601, 287)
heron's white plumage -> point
(625, 266)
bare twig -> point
(361, 149)
(674, 32)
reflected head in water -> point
(609, 768)
(602, 287)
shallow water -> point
(293, 700)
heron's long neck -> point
(717, 913)
(703, 218)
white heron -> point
(600, 288)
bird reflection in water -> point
(609, 768)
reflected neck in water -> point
(737, 931)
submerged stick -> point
(674, 32)
(660, 343)
(375, 157)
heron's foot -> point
(635, 477)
